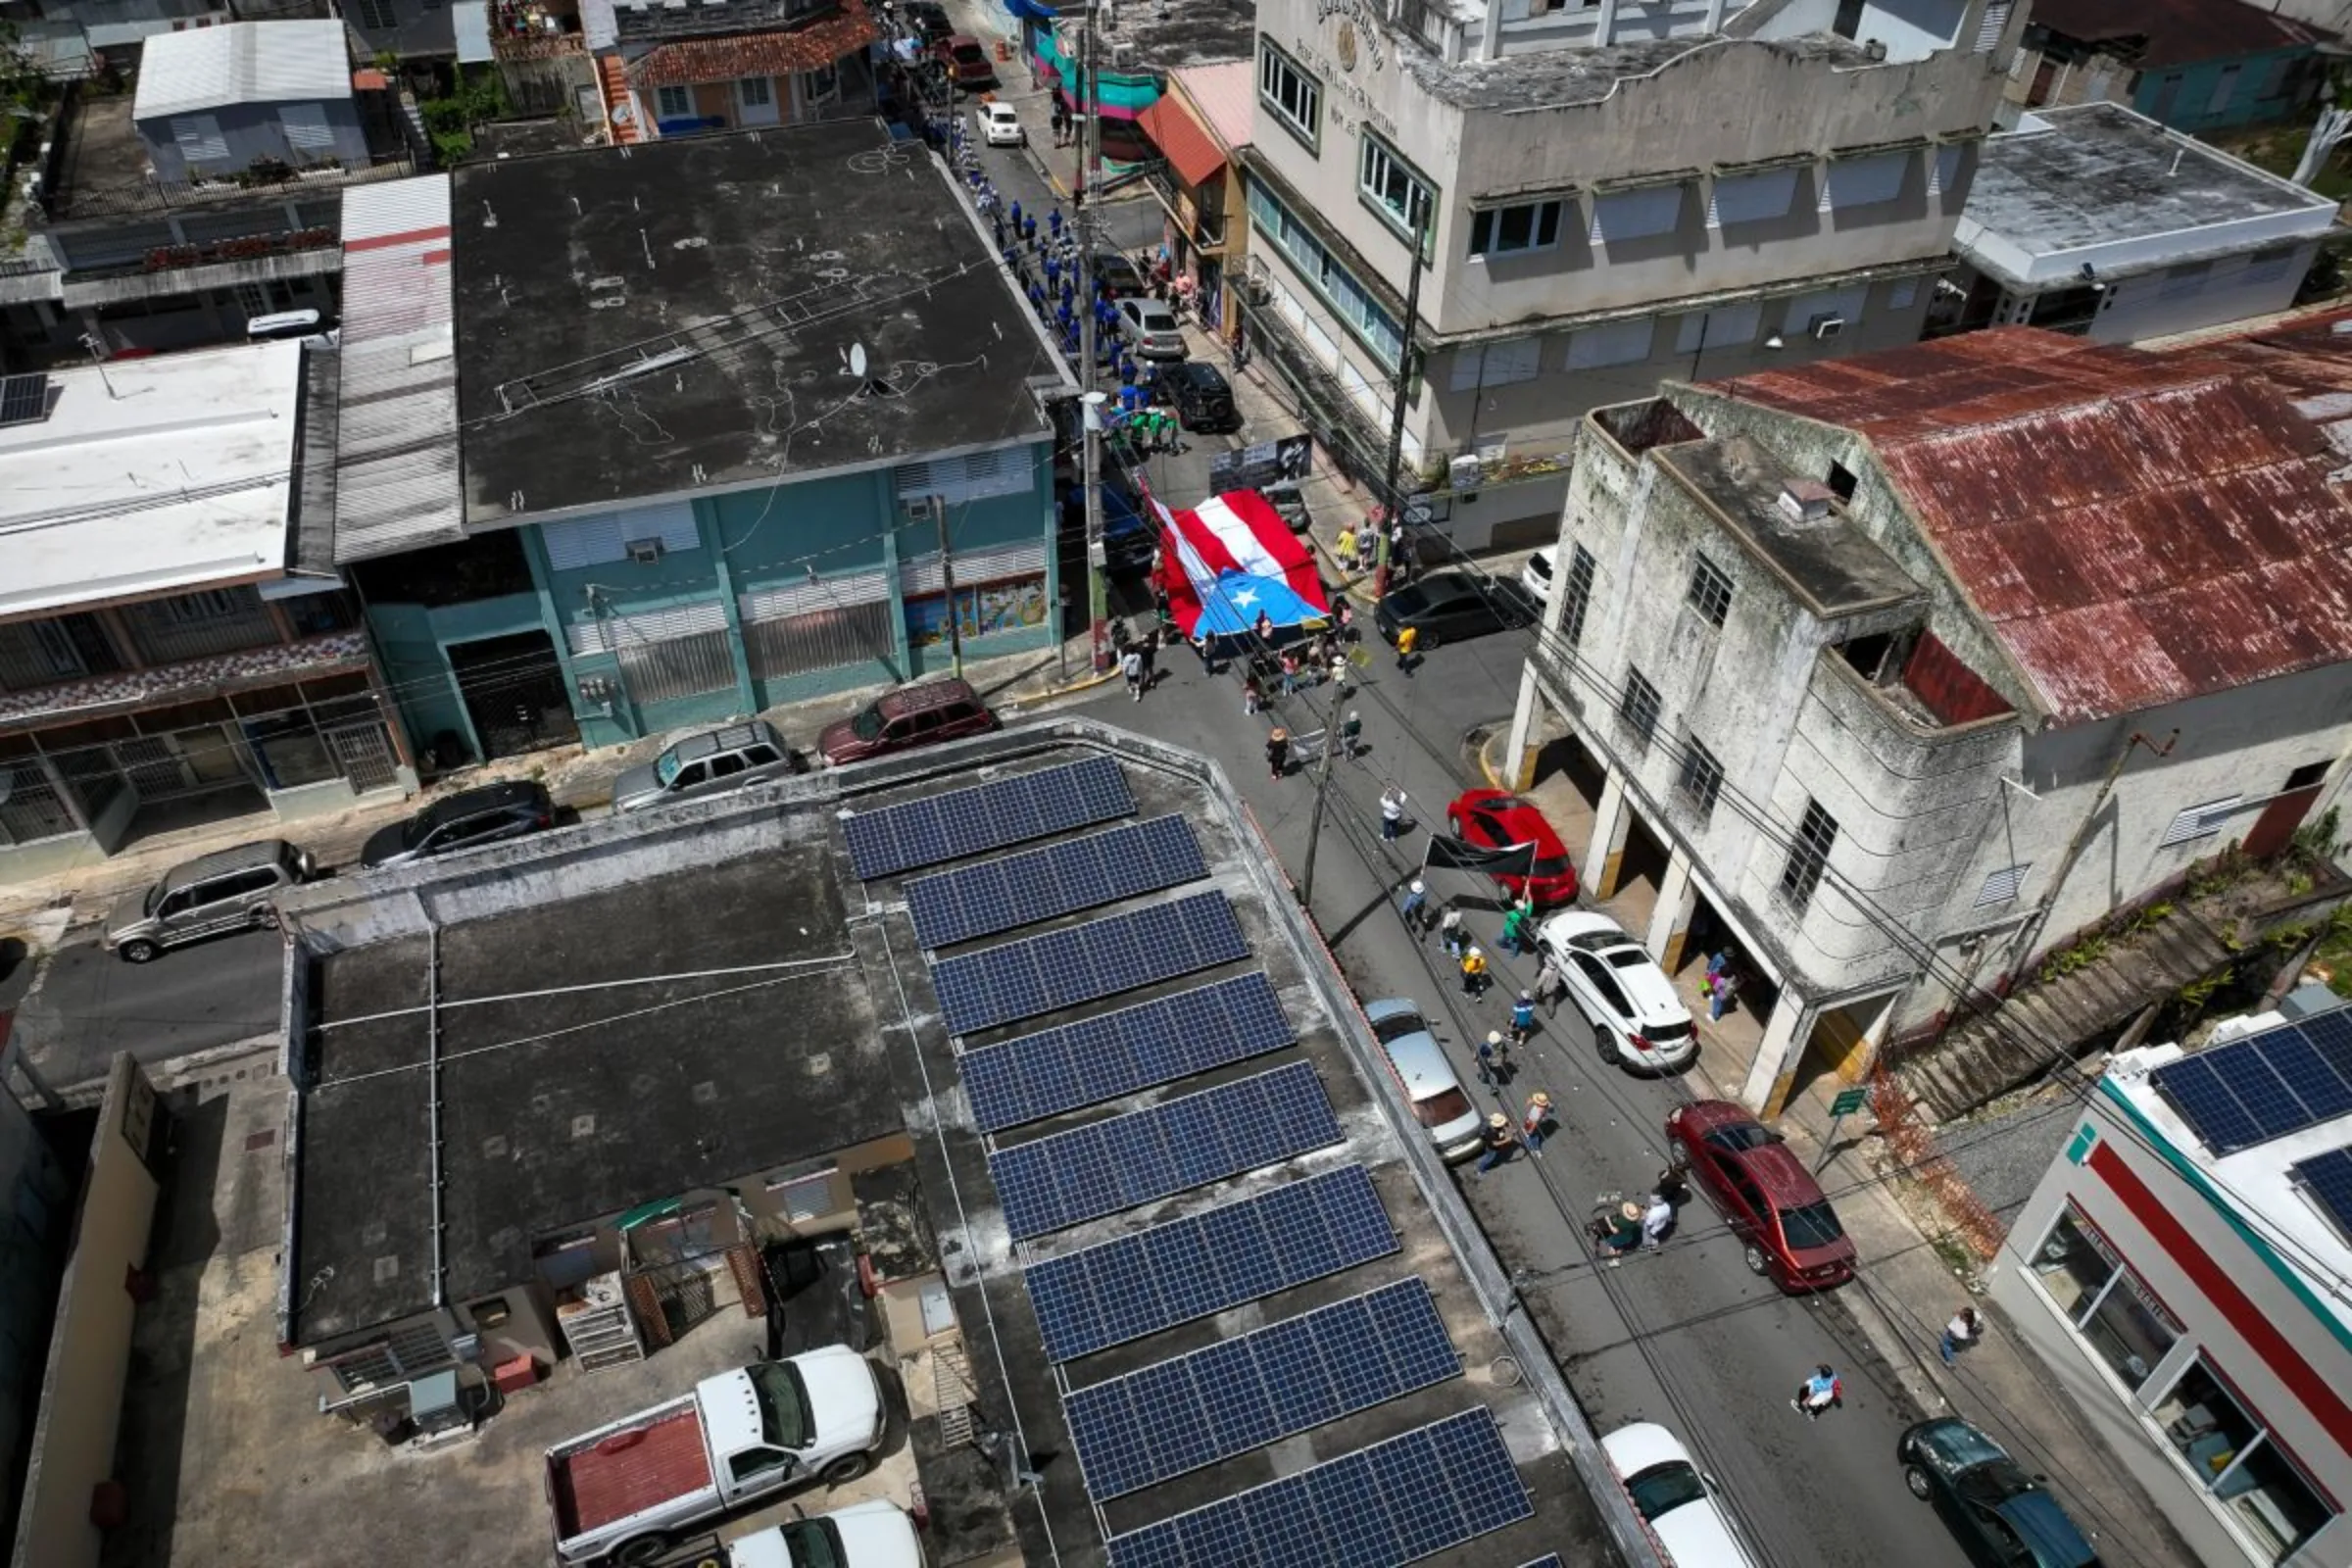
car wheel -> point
(1917, 1479)
(846, 1469)
(642, 1550)
(140, 950)
(1428, 642)
(1605, 1046)
(1757, 1262)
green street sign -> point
(1849, 1101)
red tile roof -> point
(757, 54)
(2154, 34)
(1188, 146)
(2136, 528)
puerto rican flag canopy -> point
(1237, 561)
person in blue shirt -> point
(1523, 1017)
(1818, 1393)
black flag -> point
(1512, 859)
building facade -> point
(2191, 1297)
(1200, 130)
(1604, 198)
(2197, 66)
(1857, 683)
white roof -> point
(179, 478)
(243, 63)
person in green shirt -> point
(1514, 921)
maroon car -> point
(1767, 1197)
(967, 62)
(912, 715)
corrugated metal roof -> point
(243, 63)
(2156, 34)
(1185, 142)
(1226, 94)
(2136, 528)
(469, 25)
(396, 448)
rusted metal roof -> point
(2154, 34)
(2137, 529)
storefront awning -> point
(1189, 148)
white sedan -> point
(999, 126)
(1536, 575)
(1637, 1017)
(1668, 1492)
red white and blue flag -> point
(1231, 560)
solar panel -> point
(979, 901)
(1064, 1179)
(986, 816)
(1179, 1414)
(2327, 1180)
(24, 399)
(1550, 1559)
(1094, 1059)
(2265, 1086)
(1394, 1502)
(1059, 969)
(1187, 1268)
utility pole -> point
(1314, 823)
(1404, 368)
(947, 577)
(1090, 149)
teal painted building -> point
(2196, 65)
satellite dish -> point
(857, 360)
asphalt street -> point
(90, 1003)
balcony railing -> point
(200, 625)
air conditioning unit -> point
(918, 508)
(1825, 327)
(1466, 473)
(644, 552)
(1122, 55)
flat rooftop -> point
(1170, 34)
(1584, 74)
(150, 476)
(2097, 183)
(1833, 565)
(680, 317)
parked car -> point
(1495, 819)
(1636, 1015)
(1200, 397)
(966, 63)
(628, 1491)
(912, 715)
(868, 1535)
(228, 889)
(1765, 1194)
(999, 126)
(1446, 606)
(1288, 498)
(1150, 329)
(1536, 575)
(1673, 1497)
(1121, 276)
(928, 19)
(1431, 1090)
(466, 820)
(2001, 1516)
(713, 763)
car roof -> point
(239, 858)
(1422, 1066)
(1782, 1175)
(1638, 1444)
(732, 738)
(998, 108)
(2053, 1538)
(486, 798)
(1581, 928)
(937, 694)
(1193, 370)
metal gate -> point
(677, 666)
(822, 624)
(153, 767)
(363, 753)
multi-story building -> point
(679, 69)
(1137, 50)
(1200, 129)
(1892, 673)
(2194, 64)
(173, 647)
(2182, 1271)
(639, 464)
(1601, 197)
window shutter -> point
(610, 633)
(1865, 181)
(1947, 168)
(1635, 214)
(582, 542)
(2199, 821)
(306, 127)
(974, 477)
(200, 139)
(1996, 22)
(1752, 198)
(785, 599)
(1614, 343)
(2002, 886)
(1732, 327)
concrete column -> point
(1519, 754)
(1604, 25)
(1670, 923)
(1769, 1076)
(1490, 31)
(1714, 16)
(1605, 857)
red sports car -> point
(1493, 820)
(1767, 1197)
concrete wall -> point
(89, 1350)
(37, 1190)
(2199, 294)
(256, 132)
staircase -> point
(613, 78)
(952, 1391)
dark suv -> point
(466, 820)
(1200, 395)
(2001, 1516)
(912, 716)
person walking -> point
(1148, 650)
(1548, 986)
(1821, 1391)
(1523, 1018)
(1344, 616)
(1514, 923)
(1289, 674)
(1391, 813)
(1351, 731)
(1474, 973)
(1343, 548)
(1965, 1329)
(1720, 993)
(1407, 639)
(1342, 674)
(1278, 752)
(1253, 696)
(1535, 1122)
(1500, 1141)
(1490, 1059)
(1657, 1220)
(1131, 666)
(1452, 933)
(1416, 906)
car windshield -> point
(1741, 1135)
(1551, 866)
(1664, 1488)
(815, 1543)
(1158, 322)
(867, 726)
(666, 765)
(1964, 1445)
(1439, 1109)
(1626, 958)
(1397, 1025)
(785, 1420)
(1658, 1034)
(1813, 1225)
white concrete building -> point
(1851, 657)
(2101, 222)
(2185, 1271)
(1605, 196)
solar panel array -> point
(1035, 884)
(1094, 1059)
(1189, 1268)
(1192, 1410)
(1394, 1502)
(987, 816)
(1066, 1178)
(2328, 1179)
(2265, 1085)
(1062, 968)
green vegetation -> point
(477, 96)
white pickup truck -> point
(870, 1535)
(627, 1492)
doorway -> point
(514, 694)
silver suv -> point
(709, 764)
(229, 890)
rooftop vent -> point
(1806, 500)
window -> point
(1506, 231)
(818, 87)
(1576, 594)
(1351, 300)
(2224, 88)
(1700, 777)
(1296, 97)
(804, 1197)
(2186, 279)
(1518, 359)
(2103, 1300)
(2233, 1458)
(974, 477)
(1842, 482)
(673, 103)
(2001, 887)
(1392, 190)
(1751, 198)
(1637, 706)
(2305, 778)
(2199, 821)
(1808, 855)
(307, 130)
(605, 539)
(1731, 326)
(2264, 266)
(199, 138)
(1612, 343)
(1635, 214)
(755, 92)
(1864, 182)
(1903, 294)
(1710, 591)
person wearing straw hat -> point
(1536, 1123)
(1625, 1230)
(1500, 1140)
(1278, 752)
